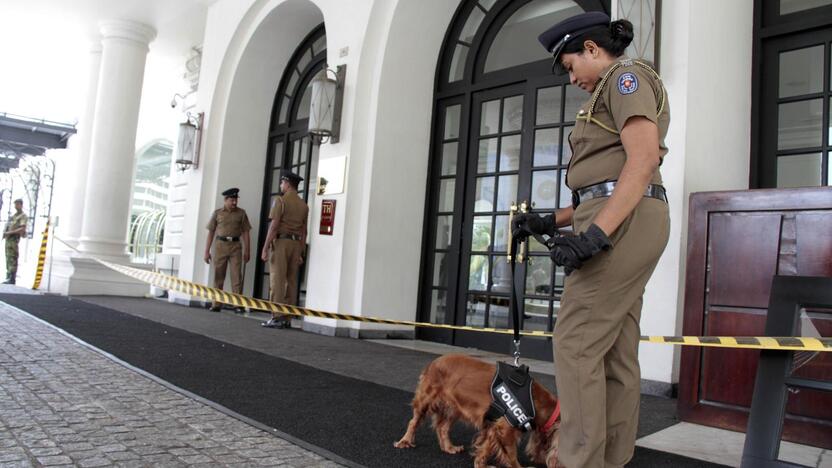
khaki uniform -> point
(228, 223)
(597, 332)
(291, 213)
(17, 221)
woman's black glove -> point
(571, 251)
(525, 224)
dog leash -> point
(514, 300)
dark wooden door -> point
(736, 242)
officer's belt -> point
(288, 236)
(605, 189)
(229, 238)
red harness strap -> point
(551, 422)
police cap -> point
(556, 37)
(231, 193)
(291, 177)
(19, 200)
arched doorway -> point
(289, 144)
(500, 127)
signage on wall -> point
(327, 217)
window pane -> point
(546, 147)
(516, 43)
(498, 315)
(565, 194)
(295, 153)
(293, 80)
(507, 192)
(275, 181)
(536, 315)
(446, 195)
(277, 154)
(264, 289)
(284, 110)
(481, 234)
(538, 276)
(487, 161)
(575, 97)
(484, 195)
(475, 311)
(487, 4)
(444, 225)
(548, 105)
(471, 25)
(440, 272)
(478, 273)
(513, 114)
(793, 6)
(458, 63)
(799, 124)
(490, 118)
(452, 121)
(802, 170)
(510, 153)
(438, 306)
(304, 153)
(449, 158)
(545, 189)
(801, 71)
(304, 59)
(305, 102)
(501, 234)
(567, 148)
(319, 45)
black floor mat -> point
(355, 419)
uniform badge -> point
(627, 83)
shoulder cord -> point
(598, 89)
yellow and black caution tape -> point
(41, 257)
(173, 283)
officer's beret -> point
(554, 38)
(293, 178)
(231, 193)
(19, 200)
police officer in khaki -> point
(620, 225)
(284, 246)
(230, 227)
(15, 229)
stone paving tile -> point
(62, 404)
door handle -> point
(523, 248)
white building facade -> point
(450, 115)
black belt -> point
(604, 189)
(288, 236)
(228, 238)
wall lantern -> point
(325, 109)
(188, 144)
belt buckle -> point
(576, 199)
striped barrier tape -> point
(173, 283)
(41, 257)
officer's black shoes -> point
(9, 281)
(215, 308)
(271, 323)
(239, 310)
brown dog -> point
(456, 387)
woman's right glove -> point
(525, 224)
(571, 251)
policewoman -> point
(620, 224)
(231, 229)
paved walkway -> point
(63, 404)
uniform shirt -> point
(17, 220)
(229, 223)
(598, 154)
(291, 212)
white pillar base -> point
(73, 275)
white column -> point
(71, 226)
(110, 176)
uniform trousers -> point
(284, 265)
(596, 338)
(12, 253)
(226, 253)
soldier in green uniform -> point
(620, 226)
(15, 229)
(229, 225)
(284, 246)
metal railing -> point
(146, 235)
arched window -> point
(501, 122)
(290, 146)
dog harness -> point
(511, 396)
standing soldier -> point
(229, 225)
(287, 241)
(15, 229)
